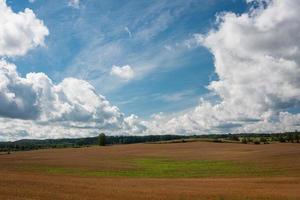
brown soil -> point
(16, 183)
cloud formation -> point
(74, 3)
(124, 72)
(17, 96)
(257, 62)
(36, 97)
(70, 105)
(19, 32)
(33, 106)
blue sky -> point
(154, 37)
(73, 68)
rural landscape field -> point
(149, 100)
(191, 170)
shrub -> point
(297, 138)
(256, 141)
(281, 139)
(264, 140)
(249, 139)
(217, 140)
(234, 137)
(244, 140)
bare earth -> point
(23, 174)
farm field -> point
(192, 170)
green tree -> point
(249, 139)
(290, 137)
(297, 138)
(234, 137)
(8, 149)
(281, 139)
(244, 140)
(257, 141)
(102, 138)
(264, 140)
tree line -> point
(246, 138)
(27, 144)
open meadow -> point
(191, 170)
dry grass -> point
(19, 181)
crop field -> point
(192, 170)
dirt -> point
(18, 183)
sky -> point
(75, 68)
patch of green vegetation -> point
(171, 168)
(165, 168)
(200, 168)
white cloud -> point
(31, 1)
(36, 97)
(258, 66)
(34, 107)
(128, 31)
(135, 125)
(256, 60)
(124, 72)
(74, 3)
(68, 106)
(168, 47)
(156, 26)
(19, 32)
(17, 97)
(178, 96)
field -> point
(192, 170)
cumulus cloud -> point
(257, 62)
(34, 107)
(17, 97)
(36, 97)
(257, 58)
(71, 104)
(74, 3)
(135, 125)
(19, 32)
(124, 72)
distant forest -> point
(28, 144)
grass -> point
(166, 168)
